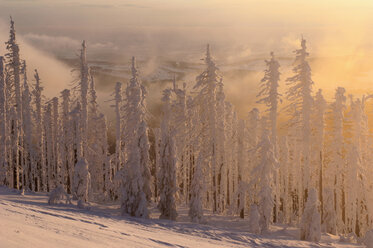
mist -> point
(241, 34)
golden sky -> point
(339, 33)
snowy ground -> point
(28, 221)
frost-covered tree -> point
(3, 126)
(270, 97)
(66, 145)
(83, 85)
(196, 191)
(56, 160)
(95, 140)
(252, 127)
(299, 95)
(118, 127)
(167, 170)
(40, 156)
(241, 168)
(207, 84)
(310, 228)
(318, 126)
(14, 67)
(262, 180)
(329, 215)
(356, 205)
(48, 147)
(254, 219)
(269, 94)
(134, 175)
(82, 182)
(28, 162)
(336, 167)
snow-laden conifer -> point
(167, 170)
(299, 95)
(310, 228)
(3, 126)
(134, 175)
(82, 182)
(262, 178)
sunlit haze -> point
(338, 34)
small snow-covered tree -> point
(262, 180)
(310, 228)
(254, 219)
(82, 182)
(58, 195)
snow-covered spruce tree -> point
(118, 127)
(3, 126)
(336, 165)
(48, 147)
(66, 145)
(284, 177)
(167, 170)
(262, 177)
(329, 216)
(295, 171)
(269, 96)
(83, 84)
(105, 168)
(28, 162)
(254, 219)
(135, 180)
(94, 154)
(241, 168)
(206, 84)
(252, 142)
(82, 182)
(14, 67)
(196, 191)
(318, 126)
(364, 206)
(178, 122)
(229, 134)
(220, 148)
(41, 182)
(310, 228)
(56, 160)
(233, 172)
(356, 210)
(300, 98)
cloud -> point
(64, 46)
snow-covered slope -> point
(28, 221)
